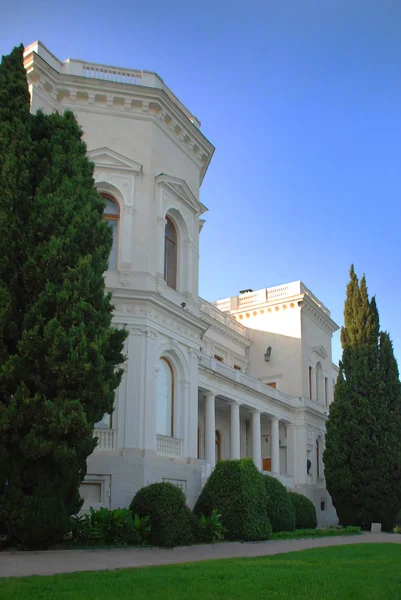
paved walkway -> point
(18, 564)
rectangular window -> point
(326, 397)
(219, 358)
(310, 383)
(272, 384)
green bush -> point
(280, 509)
(106, 526)
(172, 522)
(305, 512)
(236, 490)
(211, 529)
(37, 521)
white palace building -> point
(247, 376)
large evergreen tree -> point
(58, 373)
(363, 445)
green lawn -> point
(363, 571)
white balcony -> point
(106, 439)
(169, 446)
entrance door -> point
(267, 464)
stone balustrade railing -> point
(106, 439)
(248, 299)
(168, 446)
(104, 73)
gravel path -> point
(18, 564)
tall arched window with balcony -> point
(112, 217)
(165, 399)
(170, 254)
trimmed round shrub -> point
(305, 511)
(236, 490)
(171, 521)
(280, 509)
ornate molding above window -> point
(180, 190)
(320, 351)
(105, 158)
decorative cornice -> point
(131, 304)
(227, 331)
(122, 100)
(322, 318)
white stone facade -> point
(224, 394)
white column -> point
(210, 429)
(234, 431)
(291, 450)
(256, 440)
(191, 422)
(301, 476)
(135, 398)
(275, 449)
(150, 400)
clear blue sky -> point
(302, 100)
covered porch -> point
(230, 429)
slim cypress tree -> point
(363, 451)
(15, 165)
(62, 373)
(15, 198)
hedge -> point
(236, 490)
(280, 509)
(172, 522)
(305, 512)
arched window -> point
(319, 383)
(112, 216)
(170, 254)
(165, 399)
(218, 445)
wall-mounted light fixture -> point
(268, 353)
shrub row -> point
(106, 526)
(237, 501)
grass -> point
(314, 533)
(363, 571)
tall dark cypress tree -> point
(15, 198)
(61, 376)
(15, 192)
(363, 451)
